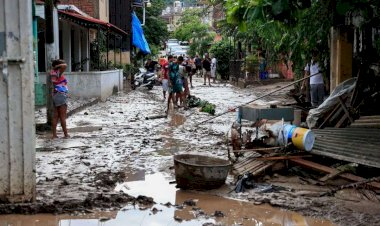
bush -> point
(222, 51)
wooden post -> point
(50, 56)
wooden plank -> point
(329, 117)
(330, 170)
(257, 149)
(341, 121)
(272, 158)
(365, 125)
(330, 176)
(345, 109)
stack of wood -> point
(361, 101)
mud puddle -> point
(173, 207)
(172, 145)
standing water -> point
(199, 209)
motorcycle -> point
(144, 79)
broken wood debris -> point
(351, 185)
(326, 169)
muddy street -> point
(117, 167)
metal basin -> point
(200, 172)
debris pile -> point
(205, 106)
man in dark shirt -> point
(206, 63)
(151, 65)
(198, 64)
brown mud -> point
(112, 144)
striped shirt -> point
(59, 81)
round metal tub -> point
(200, 172)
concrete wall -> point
(99, 84)
(125, 57)
(17, 133)
(104, 10)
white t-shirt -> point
(182, 71)
(314, 69)
(213, 63)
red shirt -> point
(165, 70)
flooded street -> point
(117, 168)
(173, 207)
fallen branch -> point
(352, 185)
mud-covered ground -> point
(113, 142)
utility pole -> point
(50, 56)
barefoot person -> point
(175, 84)
(60, 92)
(213, 69)
(206, 63)
(165, 75)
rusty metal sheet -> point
(358, 145)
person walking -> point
(60, 93)
(175, 83)
(198, 65)
(213, 69)
(206, 63)
(165, 75)
(184, 73)
(317, 87)
(193, 71)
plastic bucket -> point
(288, 131)
(303, 139)
(285, 134)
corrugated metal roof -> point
(352, 144)
(90, 21)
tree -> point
(191, 26)
(222, 51)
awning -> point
(89, 22)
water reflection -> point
(158, 187)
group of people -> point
(206, 67)
(177, 73)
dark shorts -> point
(59, 99)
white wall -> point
(99, 84)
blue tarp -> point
(138, 38)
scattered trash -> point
(177, 218)
(155, 117)
(244, 182)
(205, 106)
(190, 202)
(218, 213)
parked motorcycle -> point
(144, 79)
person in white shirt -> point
(317, 87)
(213, 69)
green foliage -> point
(192, 29)
(222, 51)
(205, 106)
(190, 25)
(155, 29)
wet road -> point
(112, 144)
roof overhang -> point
(90, 22)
